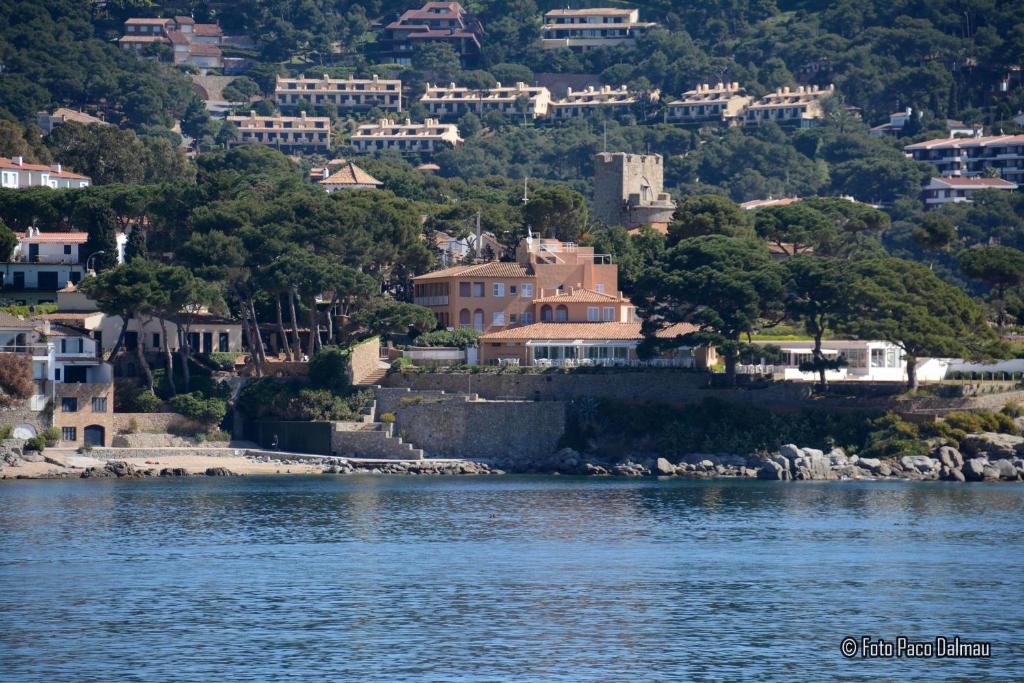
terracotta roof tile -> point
(490, 269)
(582, 296)
(204, 50)
(350, 174)
(9, 321)
(207, 30)
(611, 331)
(57, 238)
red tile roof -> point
(582, 296)
(208, 30)
(350, 174)
(57, 238)
(203, 50)
(491, 269)
(9, 163)
(9, 321)
(568, 331)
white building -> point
(872, 361)
(343, 93)
(288, 133)
(954, 190)
(594, 27)
(973, 156)
(16, 173)
(427, 137)
(453, 101)
(577, 103)
(722, 102)
(189, 42)
(48, 121)
(801, 106)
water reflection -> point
(453, 579)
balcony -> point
(431, 300)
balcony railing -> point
(431, 300)
(32, 349)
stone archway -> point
(94, 435)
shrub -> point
(221, 361)
(133, 426)
(206, 411)
(85, 448)
(15, 378)
(400, 364)
(387, 418)
(461, 338)
(6, 432)
(129, 397)
(36, 443)
(328, 369)
(52, 436)
(218, 435)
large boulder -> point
(1007, 470)
(790, 451)
(773, 471)
(949, 456)
(664, 468)
(219, 472)
(951, 474)
(920, 463)
(837, 457)
(996, 446)
(974, 469)
(813, 466)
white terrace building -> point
(801, 106)
(973, 156)
(872, 361)
(593, 27)
(288, 133)
(723, 102)
(453, 101)
(343, 93)
(16, 173)
(954, 190)
(579, 103)
(427, 137)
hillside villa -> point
(593, 27)
(16, 173)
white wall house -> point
(873, 361)
(16, 173)
(954, 190)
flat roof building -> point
(427, 137)
(801, 106)
(723, 102)
(343, 93)
(954, 190)
(577, 103)
(453, 100)
(973, 156)
(589, 28)
(289, 133)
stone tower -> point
(628, 190)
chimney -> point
(56, 168)
(18, 161)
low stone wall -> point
(22, 415)
(504, 430)
(391, 399)
(147, 440)
(361, 440)
(155, 423)
(364, 359)
(157, 453)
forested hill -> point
(943, 56)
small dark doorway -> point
(94, 435)
(131, 340)
(222, 342)
(74, 374)
(33, 253)
(207, 342)
(19, 280)
(48, 281)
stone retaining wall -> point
(157, 453)
(364, 360)
(372, 443)
(503, 430)
(22, 415)
(391, 399)
(155, 423)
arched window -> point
(464, 317)
(478, 320)
(561, 314)
(545, 313)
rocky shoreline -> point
(985, 457)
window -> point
(498, 318)
(156, 340)
(69, 433)
(511, 318)
(67, 249)
(99, 404)
(498, 289)
(599, 288)
(56, 375)
(609, 313)
(593, 314)
(878, 358)
(527, 317)
(464, 289)
(511, 290)
(561, 314)
(478, 289)
(69, 404)
(527, 290)
(223, 341)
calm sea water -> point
(495, 579)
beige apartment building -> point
(289, 133)
(801, 106)
(427, 137)
(721, 102)
(453, 101)
(577, 103)
(343, 93)
(594, 27)
(973, 156)
(496, 295)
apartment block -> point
(427, 137)
(954, 157)
(289, 133)
(453, 101)
(577, 103)
(721, 102)
(589, 28)
(954, 190)
(785, 106)
(344, 93)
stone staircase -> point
(373, 379)
(371, 440)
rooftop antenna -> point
(526, 190)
